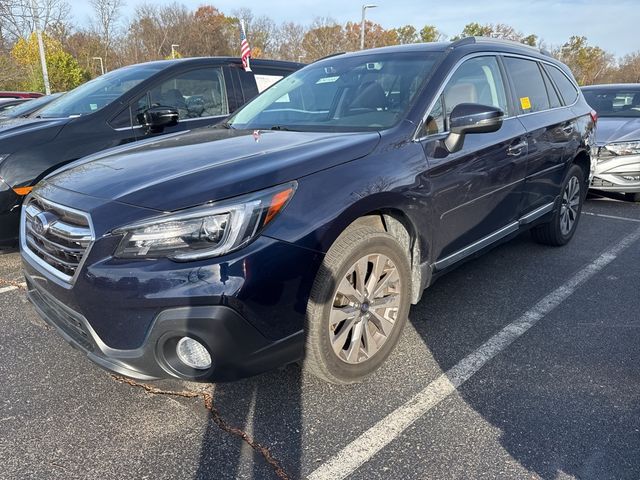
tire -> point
(557, 231)
(337, 294)
(632, 197)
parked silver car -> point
(617, 151)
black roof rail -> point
(497, 41)
(329, 56)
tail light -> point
(594, 116)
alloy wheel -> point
(570, 205)
(365, 308)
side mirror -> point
(156, 119)
(471, 118)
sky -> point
(609, 24)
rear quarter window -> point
(567, 89)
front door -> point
(475, 191)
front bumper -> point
(618, 174)
(127, 316)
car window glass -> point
(614, 101)
(567, 89)
(195, 94)
(122, 120)
(477, 80)
(531, 93)
(434, 123)
(554, 99)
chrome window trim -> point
(487, 54)
(123, 129)
(52, 273)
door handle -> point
(515, 150)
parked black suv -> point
(128, 104)
(307, 224)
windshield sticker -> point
(525, 103)
(327, 80)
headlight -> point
(203, 232)
(624, 148)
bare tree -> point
(107, 15)
(17, 18)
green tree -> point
(64, 71)
(407, 34)
(429, 33)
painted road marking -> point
(8, 289)
(363, 448)
(613, 217)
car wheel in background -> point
(632, 197)
(359, 305)
(560, 229)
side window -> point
(195, 94)
(567, 89)
(554, 99)
(122, 120)
(434, 122)
(531, 92)
(477, 80)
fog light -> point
(193, 353)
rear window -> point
(614, 102)
(567, 89)
(531, 92)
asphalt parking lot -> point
(523, 363)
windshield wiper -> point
(281, 127)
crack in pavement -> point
(207, 399)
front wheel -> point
(358, 307)
(560, 229)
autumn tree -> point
(588, 63)
(325, 37)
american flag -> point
(245, 50)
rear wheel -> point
(358, 307)
(632, 197)
(560, 229)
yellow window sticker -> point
(525, 103)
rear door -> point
(477, 190)
(550, 128)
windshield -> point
(98, 93)
(31, 106)
(614, 102)
(354, 93)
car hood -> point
(12, 127)
(617, 129)
(187, 169)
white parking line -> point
(8, 289)
(613, 217)
(360, 450)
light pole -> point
(364, 9)
(173, 49)
(101, 64)
(43, 59)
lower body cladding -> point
(618, 174)
(179, 332)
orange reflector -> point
(22, 190)
(277, 202)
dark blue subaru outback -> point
(304, 227)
